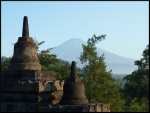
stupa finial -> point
(25, 30)
(73, 70)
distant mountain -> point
(71, 51)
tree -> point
(51, 62)
(136, 88)
(5, 62)
(62, 69)
(47, 61)
(143, 63)
(99, 84)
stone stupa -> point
(74, 98)
(25, 51)
(73, 89)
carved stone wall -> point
(98, 107)
(28, 90)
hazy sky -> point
(125, 24)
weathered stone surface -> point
(50, 86)
(99, 107)
(25, 29)
(25, 52)
(29, 86)
(58, 84)
(21, 75)
(76, 108)
(50, 93)
(31, 75)
(45, 97)
(73, 90)
(48, 75)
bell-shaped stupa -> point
(25, 51)
(73, 89)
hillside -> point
(72, 48)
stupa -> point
(74, 99)
(73, 89)
(25, 51)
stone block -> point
(57, 94)
(59, 84)
(27, 97)
(31, 75)
(48, 75)
(45, 97)
(29, 86)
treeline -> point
(100, 86)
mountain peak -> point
(75, 41)
(72, 49)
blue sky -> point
(125, 24)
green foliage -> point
(136, 88)
(47, 61)
(38, 43)
(63, 70)
(143, 63)
(52, 63)
(136, 106)
(118, 78)
(99, 84)
(5, 62)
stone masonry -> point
(25, 88)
